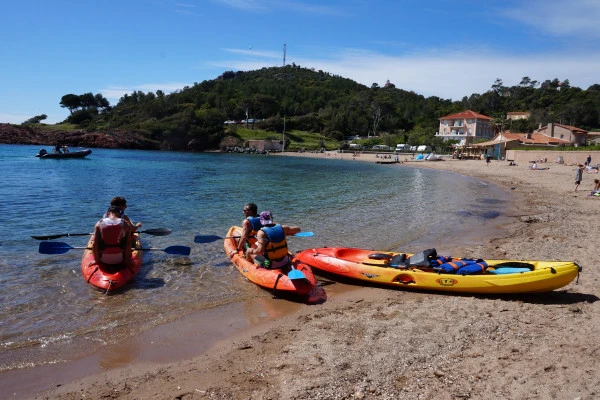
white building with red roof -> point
(465, 126)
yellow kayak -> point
(441, 273)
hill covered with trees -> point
(320, 103)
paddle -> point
(61, 248)
(293, 274)
(214, 238)
(296, 274)
(155, 232)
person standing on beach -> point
(250, 225)
(578, 175)
(588, 160)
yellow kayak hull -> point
(359, 264)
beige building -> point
(515, 115)
(466, 126)
(572, 135)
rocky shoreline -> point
(19, 134)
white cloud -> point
(254, 53)
(456, 78)
(246, 5)
(435, 74)
(559, 17)
(14, 118)
(295, 6)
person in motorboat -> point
(271, 242)
(112, 239)
(250, 225)
(57, 149)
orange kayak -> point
(274, 279)
(112, 277)
(486, 276)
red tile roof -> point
(534, 138)
(573, 129)
(466, 114)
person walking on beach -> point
(271, 242)
(588, 161)
(250, 225)
(578, 175)
(596, 189)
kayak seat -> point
(398, 261)
(386, 260)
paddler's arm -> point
(261, 242)
(95, 248)
(290, 230)
(246, 229)
(135, 227)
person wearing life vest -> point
(250, 226)
(121, 204)
(271, 242)
(112, 239)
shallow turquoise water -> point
(47, 305)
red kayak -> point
(111, 277)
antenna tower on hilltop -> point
(284, 54)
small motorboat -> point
(68, 154)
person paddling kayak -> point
(121, 204)
(250, 225)
(271, 242)
(112, 239)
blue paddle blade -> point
(304, 234)
(206, 238)
(54, 248)
(179, 250)
(295, 274)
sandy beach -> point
(377, 343)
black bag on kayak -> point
(422, 259)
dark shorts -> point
(577, 182)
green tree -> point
(70, 102)
(35, 120)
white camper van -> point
(381, 147)
(424, 149)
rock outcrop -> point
(19, 134)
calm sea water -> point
(47, 307)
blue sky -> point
(443, 48)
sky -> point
(444, 48)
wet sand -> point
(381, 343)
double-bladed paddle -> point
(154, 232)
(61, 248)
(214, 238)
